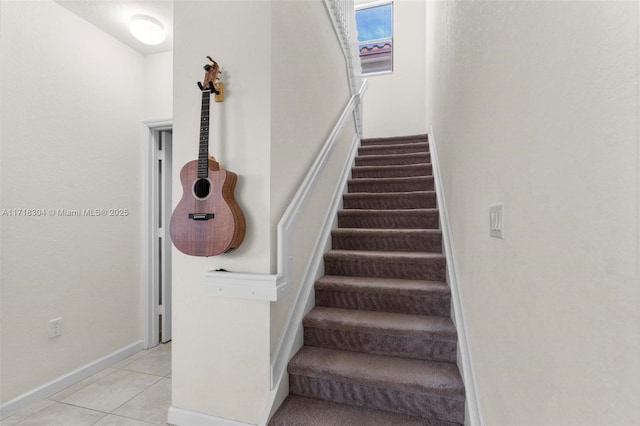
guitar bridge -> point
(201, 216)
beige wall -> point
(535, 104)
(395, 102)
(72, 112)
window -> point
(374, 22)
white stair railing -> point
(343, 16)
(342, 13)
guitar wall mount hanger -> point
(215, 87)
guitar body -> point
(207, 221)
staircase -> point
(380, 347)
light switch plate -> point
(496, 220)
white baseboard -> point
(182, 417)
(56, 385)
(473, 410)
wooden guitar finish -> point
(207, 221)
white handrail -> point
(291, 214)
(273, 286)
(342, 13)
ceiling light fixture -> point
(147, 29)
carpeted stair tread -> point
(419, 297)
(394, 184)
(390, 200)
(412, 387)
(418, 169)
(391, 159)
(427, 240)
(408, 375)
(394, 334)
(392, 179)
(380, 347)
(301, 411)
(388, 323)
(390, 219)
(405, 148)
(386, 264)
(440, 379)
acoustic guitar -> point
(207, 221)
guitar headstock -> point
(210, 82)
(212, 71)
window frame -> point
(369, 5)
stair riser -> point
(422, 170)
(394, 149)
(374, 160)
(430, 269)
(380, 398)
(427, 243)
(377, 187)
(390, 345)
(383, 302)
(385, 202)
(409, 220)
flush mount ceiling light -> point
(147, 29)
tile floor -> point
(134, 392)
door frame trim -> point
(150, 327)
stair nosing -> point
(419, 210)
(389, 194)
(391, 231)
(355, 283)
(383, 255)
(374, 147)
(392, 179)
(398, 154)
(426, 327)
(391, 166)
(417, 136)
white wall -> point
(281, 101)
(220, 345)
(72, 111)
(309, 92)
(158, 86)
(395, 102)
(535, 104)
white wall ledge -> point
(269, 287)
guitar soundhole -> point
(202, 188)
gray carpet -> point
(380, 346)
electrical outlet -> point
(55, 329)
(496, 220)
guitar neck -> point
(203, 153)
